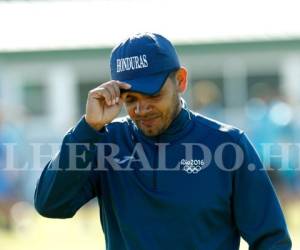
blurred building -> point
(46, 90)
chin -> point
(150, 133)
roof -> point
(56, 25)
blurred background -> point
(243, 60)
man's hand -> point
(104, 103)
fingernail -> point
(117, 100)
(113, 101)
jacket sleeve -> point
(69, 181)
(257, 211)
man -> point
(165, 177)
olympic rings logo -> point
(193, 166)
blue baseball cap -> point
(144, 61)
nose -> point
(142, 108)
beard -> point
(162, 120)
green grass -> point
(33, 232)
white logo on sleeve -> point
(125, 159)
(192, 166)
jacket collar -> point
(178, 128)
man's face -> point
(153, 114)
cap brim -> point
(149, 85)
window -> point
(207, 92)
(207, 97)
(34, 98)
(265, 87)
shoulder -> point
(123, 122)
(217, 128)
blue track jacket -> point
(195, 200)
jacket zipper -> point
(155, 164)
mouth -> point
(148, 122)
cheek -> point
(130, 111)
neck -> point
(179, 107)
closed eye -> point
(155, 96)
(130, 99)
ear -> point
(181, 77)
